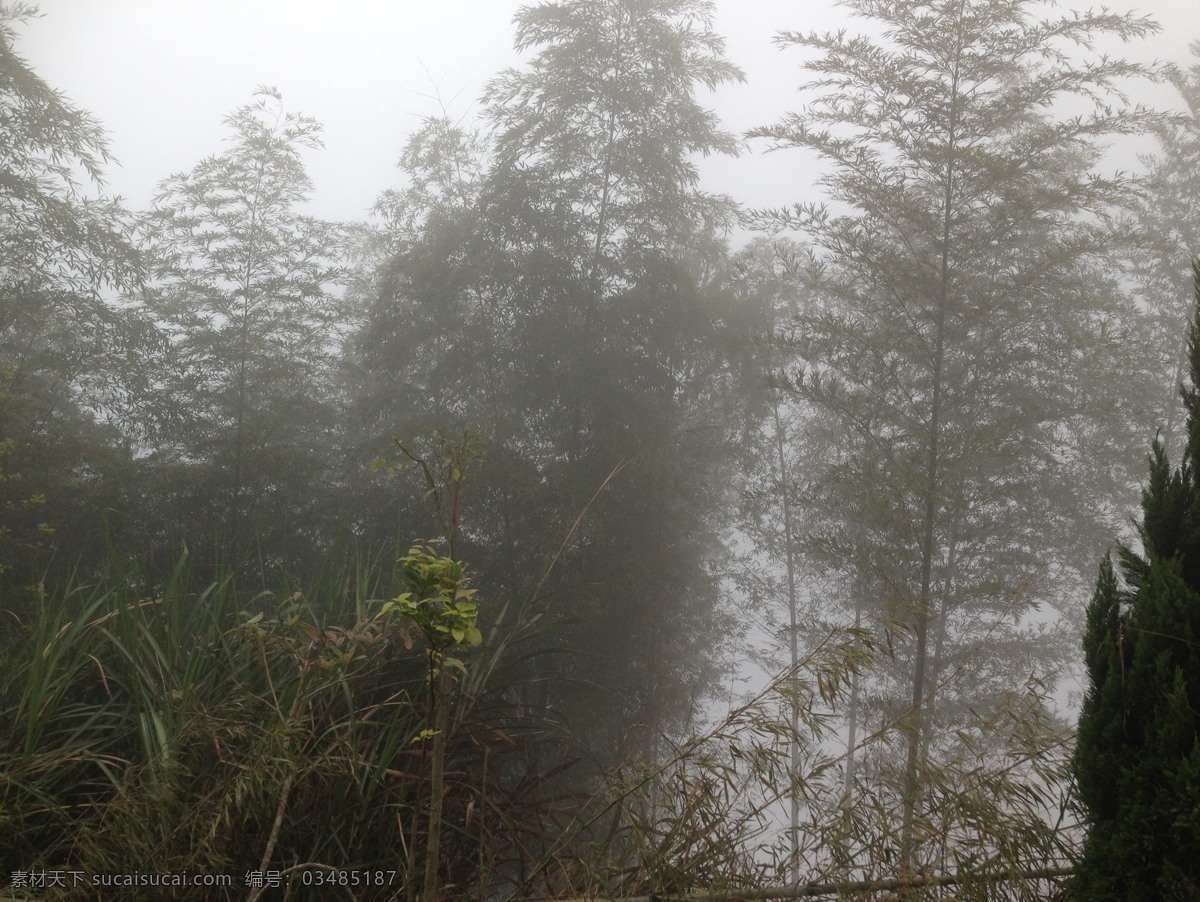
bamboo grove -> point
(566, 529)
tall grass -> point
(213, 730)
(209, 730)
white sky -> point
(161, 75)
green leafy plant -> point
(442, 608)
(439, 605)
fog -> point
(492, 450)
(161, 77)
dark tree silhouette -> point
(1137, 761)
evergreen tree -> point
(1137, 758)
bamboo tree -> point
(793, 637)
(571, 329)
(968, 245)
(246, 284)
(1166, 223)
(74, 365)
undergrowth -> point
(209, 730)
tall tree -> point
(595, 204)
(69, 356)
(573, 275)
(961, 321)
(1166, 223)
(427, 352)
(247, 286)
(1137, 759)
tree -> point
(247, 287)
(560, 300)
(1167, 235)
(72, 362)
(428, 354)
(1137, 758)
(961, 324)
(593, 201)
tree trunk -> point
(913, 724)
(437, 785)
(793, 647)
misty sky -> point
(161, 74)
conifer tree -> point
(1137, 761)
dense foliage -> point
(1137, 761)
(428, 548)
(959, 320)
(73, 367)
(551, 299)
